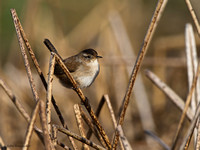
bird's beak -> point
(99, 57)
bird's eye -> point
(87, 56)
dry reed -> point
(49, 91)
(31, 127)
(187, 103)
(156, 17)
(79, 121)
(43, 117)
(49, 132)
(169, 92)
(80, 138)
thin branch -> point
(106, 97)
(194, 17)
(32, 55)
(110, 110)
(92, 128)
(46, 133)
(51, 48)
(80, 123)
(79, 120)
(90, 125)
(19, 107)
(80, 138)
(192, 64)
(156, 138)
(99, 108)
(156, 17)
(49, 91)
(126, 50)
(61, 118)
(23, 52)
(187, 139)
(31, 126)
(54, 136)
(198, 138)
(2, 145)
(84, 99)
(63, 146)
(125, 142)
(187, 103)
(55, 140)
(15, 101)
(1, 142)
(169, 93)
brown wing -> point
(71, 63)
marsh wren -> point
(84, 68)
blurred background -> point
(116, 29)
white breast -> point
(86, 75)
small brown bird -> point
(84, 68)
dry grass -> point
(117, 121)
